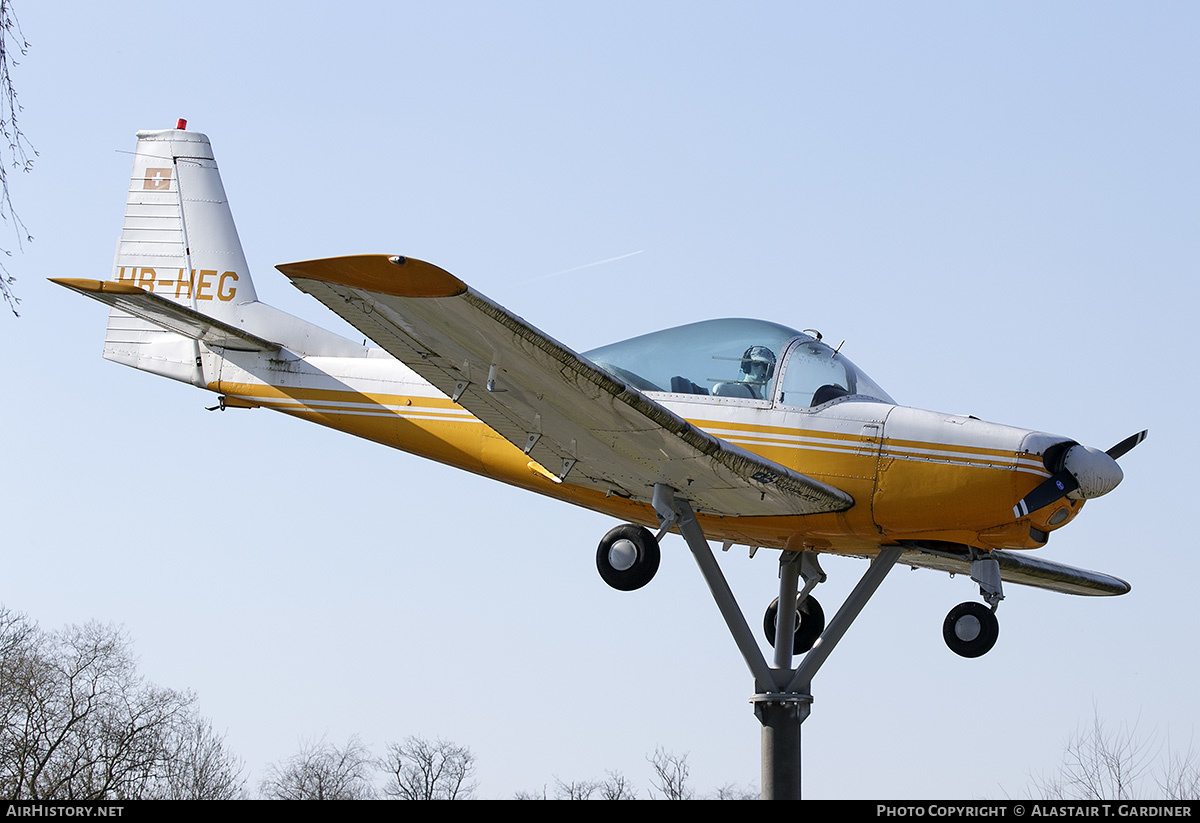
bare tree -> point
(21, 650)
(671, 775)
(523, 795)
(322, 771)
(19, 149)
(732, 791)
(575, 789)
(95, 730)
(78, 722)
(419, 769)
(1100, 762)
(615, 786)
(1180, 777)
(201, 767)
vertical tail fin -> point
(179, 239)
(179, 242)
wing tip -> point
(393, 275)
(107, 286)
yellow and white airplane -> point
(742, 431)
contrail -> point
(584, 266)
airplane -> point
(734, 430)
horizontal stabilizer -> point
(168, 314)
(1018, 567)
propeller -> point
(1117, 451)
(1082, 471)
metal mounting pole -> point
(783, 697)
(781, 713)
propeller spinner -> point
(1083, 473)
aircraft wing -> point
(577, 421)
(1018, 567)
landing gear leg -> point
(985, 571)
(971, 629)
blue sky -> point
(994, 206)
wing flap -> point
(576, 420)
(166, 314)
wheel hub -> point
(967, 628)
(622, 555)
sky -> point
(994, 206)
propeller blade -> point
(1054, 488)
(1128, 443)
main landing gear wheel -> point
(810, 622)
(628, 557)
(971, 629)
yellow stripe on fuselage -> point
(748, 435)
(407, 408)
(441, 430)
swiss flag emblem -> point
(157, 179)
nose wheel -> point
(971, 629)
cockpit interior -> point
(752, 360)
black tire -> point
(810, 622)
(628, 537)
(971, 629)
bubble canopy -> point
(737, 358)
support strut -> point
(783, 696)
